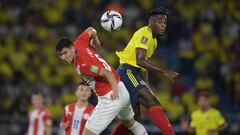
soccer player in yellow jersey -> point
(206, 120)
(134, 65)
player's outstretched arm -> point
(113, 82)
(94, 41)
(141, 55)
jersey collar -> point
(153, 35)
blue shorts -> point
(130, 76)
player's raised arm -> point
(94, 41)
(113, 82)
(141, 55)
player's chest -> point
(82, 75)
(152, 47)
(206, 119)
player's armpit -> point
(141, 55)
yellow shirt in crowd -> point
(203, 121)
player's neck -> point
(204, 109)
(81, 103)
(39, 107)
(151, 28)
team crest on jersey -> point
(144, 40)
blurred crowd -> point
(201, 43)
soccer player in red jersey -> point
(40, 120)
(76, 114)
(113, 97)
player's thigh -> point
(88, 132)
(131, 82)
(126, 111)
(105, 111)
(147, 98)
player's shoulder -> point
(146, 31)
(68, 106)
(214, 111)
(196, 113)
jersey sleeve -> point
(82, 40)
(219, 118)
(193, 123)
(64, 117)
(47, 119)
(142, 40)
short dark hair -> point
(159, 11)
(37, 93)
(64, 42)
(81, 83)
(203, 94)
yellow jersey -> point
(203, 121)
(143, 38)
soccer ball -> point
(111, 20)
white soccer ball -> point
(111, 20)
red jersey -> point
(89, 64)
(39, 119)
(76, 117)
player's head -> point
(157, 20)
(83, 92)
(37, 100)
(64, 50)
(203, 100)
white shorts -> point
(107, 109)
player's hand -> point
(212, 131)
(65, 124)
(172, 75)
(115, 94)
(184, 124)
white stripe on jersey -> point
(34, 115)
(77, 120)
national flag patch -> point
(144, 40)
(94, 69)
